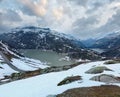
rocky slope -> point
(40, 38)
(46, 39)
(110, 44)
(112, 53)
(69, 82)
(12, 62)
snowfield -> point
(9, 58)
(28, 64)
(46, 84)
(23, 63)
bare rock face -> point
(106, 78)
(68, 80)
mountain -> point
(88, 42)
(113, 52)
(108, 42)
(12, 62)
(40, 38)
(46, 39)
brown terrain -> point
(96, 91)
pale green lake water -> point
(51, 57)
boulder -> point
(68, 80)
(97, 70)
(106, 78)
(112, 62)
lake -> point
(52, 58)
(98, 50)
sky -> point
(81, 18)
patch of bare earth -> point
(96, 91)
(27, 74)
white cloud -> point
(37, 7)
(81, 18)
(8, 19)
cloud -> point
(8, 19)
(10, 15)
(58, 13)
(28, 20)
(85, 23)
(83, 27)
(100, 22)
(79, 2)
(82, 18)
(113, 24)
(34, 8)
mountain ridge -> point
(46, 39)
(110, 43)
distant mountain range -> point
(110, 43)
(89, 42)
(46, 39)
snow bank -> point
(46, 84)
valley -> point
(59, 48)
(59, 59)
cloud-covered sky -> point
(81, 18)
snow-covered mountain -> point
(46, 39)
(113, 52)
(110, 44)
(52, 81)
(88, 42)
(109, 41)
(11, 62)
(39, 38)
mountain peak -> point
(45, 39)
